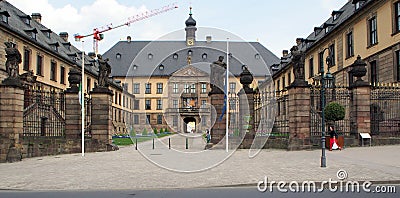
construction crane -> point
(98, 32)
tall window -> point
(159, 119)
(135, 119)
(203, 88)
(148, 104)
(289, 76)
(311, 68)
(398, 66)
(175, 88)
(397, 17)
(62, 77)
(320, 61)
(136, 104)
(187, 88)
(332, 54)
(373, 73)
(147, 119)
(159, 88)
(39, 65)
(159, 104)
(349, 45)
(283, 82)
(175, 121)
(148, 88)
(136, 88)
(193, 88)
(175, 104)
(203, 103)
(232, 87)
(373, 31)
(27, 59)
(53, 70)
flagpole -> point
(227, 95)
(83, 100)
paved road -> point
(238, 192)
(131, 169)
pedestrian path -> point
(146, 168)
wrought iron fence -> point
(44, 113)
(271, 110)
(341, 95)
(385, 110)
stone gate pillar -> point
(73, 118)
(360, 114)
(11, 120)
(246, 109)
(101, 122)
(218, 129)
(299, 117)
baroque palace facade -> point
(366, 28)
(171, 79)
(48, 57)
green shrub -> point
(161, 130)
(132, 133)
(166, 130)
(334, 112)
(144, 132)
(155, 131)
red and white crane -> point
(98, 32)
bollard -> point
(136, 143)
(153, 143)
(187, 143)
(169, 143)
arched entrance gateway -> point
(190, 125)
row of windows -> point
(188, 88)
(186, 102)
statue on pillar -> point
(13, 60)
(298, 58)
(218, 69)
(104, 71)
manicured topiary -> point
(334, 112)
(155, 131)
(161, 131)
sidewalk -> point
(131, 169)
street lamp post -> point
(324, 77)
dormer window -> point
(135, 67)
(317, 30)
(32, 33)
(46, 32)
(257, 56)
(190, 52)
(4, 16)
(150, 56)
(336, 14)
(358, 3)
(67, 45)
(204, 56)
(54, 46)
(327, 27)
(244, 67)
(118, 56)
(161, 67)
(26, 19)
(175, 56)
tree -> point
(334, 112)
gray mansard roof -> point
(143, 58)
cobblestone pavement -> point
(132, 169)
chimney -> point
(285, 53)
(129, 39)
(208, 39)
(37, 17)
(64, 36)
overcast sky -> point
(275, 24)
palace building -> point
(171, 79)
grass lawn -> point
(128, 141)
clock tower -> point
(190, 30)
